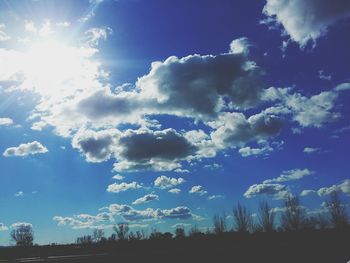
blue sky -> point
(160, 113)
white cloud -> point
(342, 187)
(175, 191)
(324, 76)
(145, 199)
(290, 175)
(85, 221)
(3, 35)
(6, 121)
(277, 191)
(26, 149)
(118, 177)
(122, 187)
(264, 149)
(19, 194)
(212, 197)
(235, 130)
(314, 111)
(240, 46)
(310, 150)
(96, 34)
(305, 21)
(164, 182)
(20, 224)
(307, 192)
(343, 86)
(96, 146)
(198, 189)
(3, 227)
(130, 214)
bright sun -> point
(53, 69)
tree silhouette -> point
(242, 219)
(97, 235)
(23, 235)
(337, 211)
(266, 217)
(122, 231)
(180, 232)
(294, 216)
(220, 224)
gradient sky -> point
(161, 113)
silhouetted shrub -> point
(294, 216)
(242, 219)
(23, 235)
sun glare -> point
(51, 68)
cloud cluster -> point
(145, 199)
(305, 21)
(198, 189)
(122, 187)
(274, 188)
(276, 191)
(26, 149)
(3, 35)
(164, 182)
(86, 221)
(3, 227)
(290, 175)
(343, 187)
(6, 121)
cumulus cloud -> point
(276, 191)
(196, 85)
(234, 129)
(118, 177)
(305, 21)
(343, 187)
(122, 187)
(164, 182)
(3, 227)
(145, 199)
(26, 149)
(21, 224)
(264, 149)
(314, 111)
(95, 35)
(343, 86)
(86, 221)
(198, 189)
(307, 192)
(6, 121)
(3, 35)
(212, 197)
(130, 214)
(96, 146)
(158, 150)
(290, 175)
(175, 191)
(310, 150)
(19, 194)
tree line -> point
(293, 218)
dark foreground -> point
(309, 247)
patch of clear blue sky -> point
(146, 31)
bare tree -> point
(194, 231)
(23, 235)
(294, 216)
(180, 232)
(122, 231)
(242, 219)
(84, 240)
(98, 235)
(337, 211)
(266, 217)
(220, 224)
